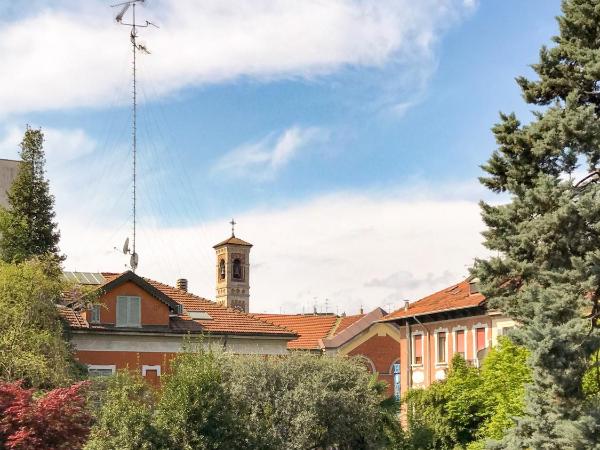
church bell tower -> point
(233, 272)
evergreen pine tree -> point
(27, 227)
(546, 272)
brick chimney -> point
(182, 284)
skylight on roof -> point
(199, 315)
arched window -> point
(237, 269)
(222, 269)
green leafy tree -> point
(32, 341)
(195, 410)
(546, 274)
(27, 227)
(125, 416)
(304, 401)
(214, 400)
(448, 413)
(504, 375)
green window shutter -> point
(122, 311)
(134, 311)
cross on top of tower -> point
(233, 223)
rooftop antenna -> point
(134, 259)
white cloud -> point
(68, 54)
(263, 159)
(60, 145)
(347, 247)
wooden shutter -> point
(418, 349)
(480, 333)
(460, 341)
(121, 311)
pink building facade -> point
(435, 328)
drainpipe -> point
(428, 371)
(409, 353)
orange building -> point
(140, 324)
(435, 328)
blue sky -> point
(276, 114)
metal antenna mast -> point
(133, 262)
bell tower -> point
(233, 272)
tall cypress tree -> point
(546, 272)
(27, 227)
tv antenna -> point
(135, 46)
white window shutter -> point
(134, 311)
(122, 311)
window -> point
(101, 370)
(237, 269)
(396, 372)
(95, 314)
(222, 269)
(418, 349)
(441, 347)
(479, 339)
(128, 311)
(504, 331)
(459, 343)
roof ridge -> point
(181, 291)
(334, 327)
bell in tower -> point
(233, 272)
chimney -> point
(182, 284)
(406, 303)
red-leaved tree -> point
(58, 419)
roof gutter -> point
(393, 319)
(183, 334)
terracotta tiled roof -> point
(309, 327)
(220, 320)
(345, 322)
(454, 297)
(72, 317)
(235, 241)
(223, 320)
(354, 326)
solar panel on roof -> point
(99, 278)
(69, 276)
(85, 277)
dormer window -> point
(222, 269)
(237, 269)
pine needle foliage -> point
(546, 272)
(27, 227)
